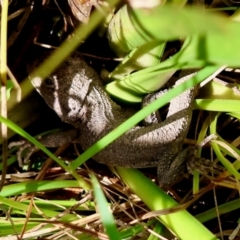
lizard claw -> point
(23, 145)
(52, 140)
(204, 166)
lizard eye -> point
(49, 81)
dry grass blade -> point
(3, 73)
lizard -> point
(75, 92)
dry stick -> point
(20, 26)
(15, 85)
(28, 215)
(3, 72)
(180, 207)
(4, 134)
(49, 162)
(40, 177)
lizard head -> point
(65, 90)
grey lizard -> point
(76, 94)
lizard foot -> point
(186, 161)
(204, 166)
(168, 175)
(23, 145)
(53, 140)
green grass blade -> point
(139, 58)
(219, 105)
(36, 186)
(104, 210)
(226, 163)
(157, 199)
(222, 209)
(36, 143)
(25, 208)
(133, 27)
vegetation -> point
(56, 200)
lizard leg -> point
(52, 140)
(169, 174)
(154, 117)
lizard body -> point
(76, 94)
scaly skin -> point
(76, 94)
